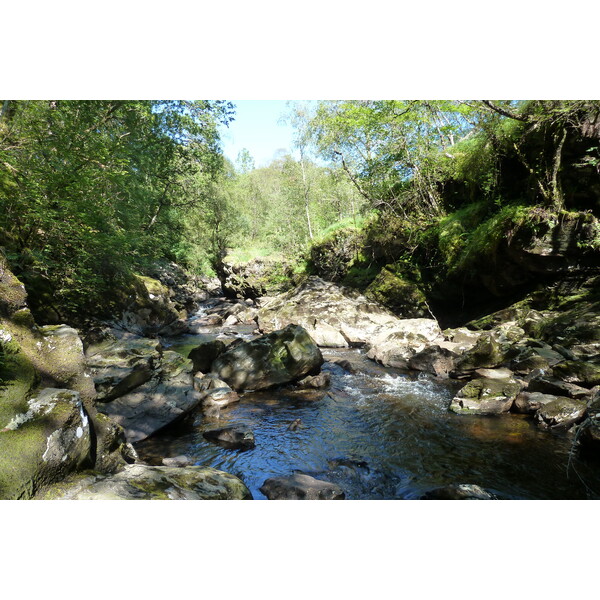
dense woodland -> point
(93, 191)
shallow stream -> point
(380, 434)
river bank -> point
(402, 409)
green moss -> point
(152, 286)
(452, 232)
(21, 451)
(12, 292)
(397, 293)
(360, 275)
(19, 377)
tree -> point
(388, 148)
(91, 189)
(244, 162)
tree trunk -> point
(306, 198)
(557, 199)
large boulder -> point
(255, 278)
(396, 345)
(50, 356)
(204, 355)
(332, 315)
(143, 482)
(529, 403)
(32, 358)
(43, 444)
(547, 384)
(487, 353)
(435, 359)
(166, 397)
(578, 372)
(112, 451)
(301, 487)
(13, 296)
(279, 357)
(122, 362)
(65, 364)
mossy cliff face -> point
(472, 261)
(255, 278)
(395, 291)
(149, 308)
(508, 253)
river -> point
(380, 433)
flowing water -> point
(380, 434)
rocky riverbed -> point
(317, 393)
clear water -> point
(394, 433)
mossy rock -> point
(487, 353)
(333, 256)
(43, 444)
(143, 482)
(54, 352)
(582, 373)
(279, 357)
(486, 396)
(18, 377)
(112, 451)
(12, 292)
(561, 412)
(205, 354)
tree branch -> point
(352, 179)
(506, 113)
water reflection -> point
(382, 434)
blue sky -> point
(256, 128)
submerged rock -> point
(279, 357)
(322, 380)
(463, 491)
(301, 487)
(143, 482)
(231, 437)
(178, 461)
